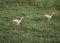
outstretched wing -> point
(15, 20)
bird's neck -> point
(20, 19)
(51, 15)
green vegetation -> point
(33, 28)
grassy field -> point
(33, 28)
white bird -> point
(48, 17)
(18, 21)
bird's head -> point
(52, 13)
(22, 17)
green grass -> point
(33, 28)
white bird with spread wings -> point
(18, 21)
(47, 16)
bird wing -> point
(15, 20)
(46, 15)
